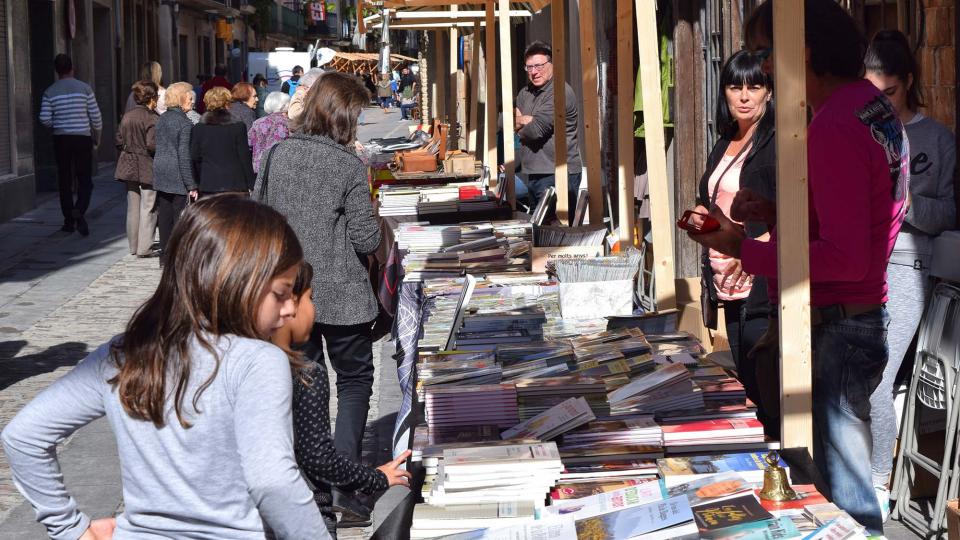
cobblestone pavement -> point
(62, 295)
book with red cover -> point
(712, 429)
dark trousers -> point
(169, 208)
(74, 157)
(351, 356)
(743, 332)
(537, 185)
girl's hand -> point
(100, 529)
(395, 475)
(193, 194)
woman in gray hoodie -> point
(891, 67)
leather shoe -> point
(82, 227)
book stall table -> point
(427, 319)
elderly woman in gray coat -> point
(172, 168)
(316, 180)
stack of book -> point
(455, 368)
(667, 388)
(398, 201)
(531, 360)
(717, 433)
(552, 423)
(421, 238)
(489, 328)
(436, 521)
(450, 408)
(640, 430)
(518, 473)
(534, 396)
(590, 235)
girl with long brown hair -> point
(199, 402)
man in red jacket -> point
(219, 79)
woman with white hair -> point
(270, 129)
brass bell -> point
(776, 485)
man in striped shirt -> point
(70, 108)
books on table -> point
(492, 404)
(717, 431)
(710, 488)
(729, 512)
(606, 502)
(635, 521)
(550, 424)
(681, 469)
(770, 529)
(554, 528)
(432, 521)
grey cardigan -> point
(321, 187)
(172, 168)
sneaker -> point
(67, 227)
(82, 227)
(883, 499)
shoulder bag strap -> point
(262, 194)
(716, 188)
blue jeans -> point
(848, 360)
(537, 185)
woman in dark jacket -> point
(135, 140)
(172, 169)
(221, 157)
(316, 180)
(244, 106)
(744, 157)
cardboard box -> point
(596, 299)
(463, 164)
(540, 256)
(953, 520)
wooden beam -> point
(434, 26)
(536, 4)
(490, 52)
(361, 25)
(558, 30)
(657, 182)
(590, 112)
(474, 88)
(453, 111)
(793, 242)
(625, 135)
(506, 98)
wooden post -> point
(474, 88)
(506, 98)
(440, 80)
(453, 113)
(490, 51)
(625, 135)
(661, 224)
(558, 29)
(361, 25)
(793, 243)
(590, 112)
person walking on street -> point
(270, 129)
(316, 180)
(219, 80)
(151, 71)
(244, 106)
(384, 92)
(296, 103)
(290, 85)
(69, 107)
(219, 149)
(137, 144)
(260, 83)
(172, 168)
(534, 126)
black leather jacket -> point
(759, 174)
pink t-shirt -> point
(858, 164)
(729, 185)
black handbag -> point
(708, 293)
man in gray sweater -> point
(534, 126)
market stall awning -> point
(365, 63)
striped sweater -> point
(70, 108)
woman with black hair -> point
(892, 68)
(744, 157)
